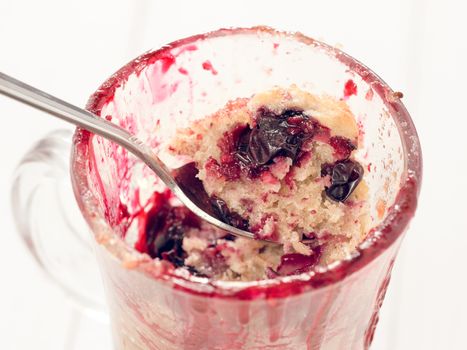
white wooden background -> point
(69, 47)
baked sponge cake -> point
(279, 164)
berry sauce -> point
(342, 147)
(294, 263)
(164, 229)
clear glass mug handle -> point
(49, 221)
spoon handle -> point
(36, 98)
(39, 99)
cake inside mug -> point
(280, 164)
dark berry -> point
(345, 176)
(229, 237)
(165, 229)
(165, 226)
(272, 136)
(226, 215)
(292, 264)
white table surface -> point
(69, 47)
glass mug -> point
(152, 306)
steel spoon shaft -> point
(36, 98)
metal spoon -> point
(182, 182)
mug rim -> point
(378, 240)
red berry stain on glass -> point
(207, 65)
(186, 48)
(183, 71)
(350, 88)
(166, 61)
